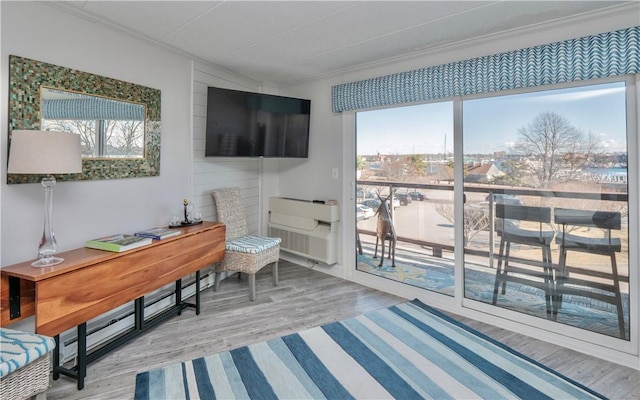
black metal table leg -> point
(56, 358)
(14, 297)
(82, 354)
(79, 372)
(198, 292)
(179, 295)
(139, 313)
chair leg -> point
(616, 285)
(507, 254)
(274, 274)
(498, 279)
(252, 287)
(548, 279)
(216, 282)
(561, 276)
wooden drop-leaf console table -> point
(91, 282)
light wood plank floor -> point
(304, 298)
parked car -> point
(364, 212)
(509, 199)
(375, 203)
(417, 196)
(499, 198)
(372, 203)
(404, 198)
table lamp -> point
(45, 153)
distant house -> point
(483, 173)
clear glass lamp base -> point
(48, 246)
(47, 261)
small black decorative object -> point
(187, 220)
(185, 202)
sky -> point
(491, 124)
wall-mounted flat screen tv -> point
(245, 124)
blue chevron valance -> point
(598, 56)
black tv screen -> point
(246, 124)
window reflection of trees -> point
(121, 139)
(553, 150)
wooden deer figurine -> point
(385, 231)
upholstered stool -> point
(510, 231)
(576, 280)
(25, 363)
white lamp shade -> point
(44, 152)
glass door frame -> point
(578, 339)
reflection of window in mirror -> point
(108, 128)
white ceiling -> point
(284, 42)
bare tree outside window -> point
(86, 130)
(553, 149)
(122, 138)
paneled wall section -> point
(217, 172)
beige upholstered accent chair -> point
(244, 253)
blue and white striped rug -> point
(407, 351)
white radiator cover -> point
(307, 229)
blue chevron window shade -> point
(82, 107)
(598, 56)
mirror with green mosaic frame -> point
(29, 79)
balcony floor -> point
(417, 267)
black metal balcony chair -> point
(606, 285)
(510, 228)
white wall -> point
(217, 172)
(332, 144)
(87, 209)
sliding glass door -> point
(545, 221)
(547, 173)
(405, 160)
